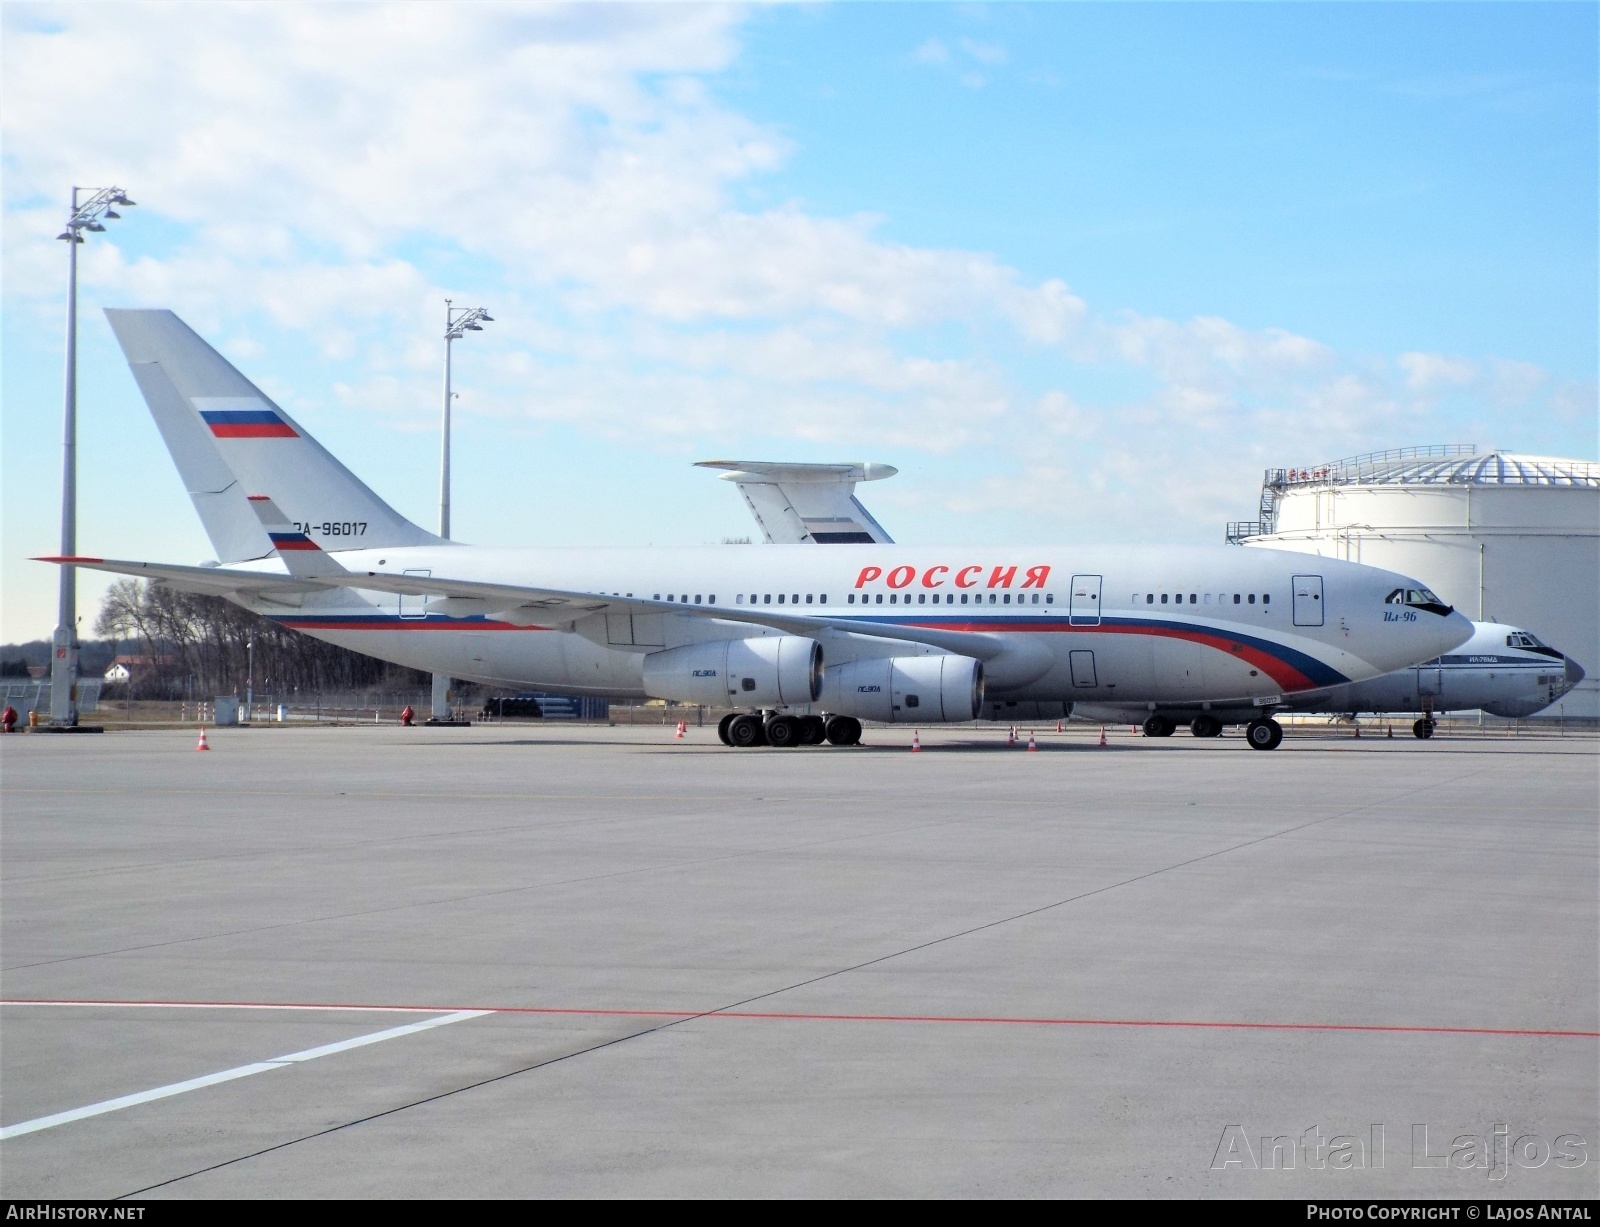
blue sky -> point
(1079, 271)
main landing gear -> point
(743, 730)
(1263, 734)
(1206, 726)
(1158, 726)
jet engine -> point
(774, 671)
(905, 689)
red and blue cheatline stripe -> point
(292, 541)
(259, 423)
(1291, 669)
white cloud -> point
(329, 172)
(1430, 372)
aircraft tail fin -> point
(807, 504)
(217, 423)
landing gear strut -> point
(1263, 734)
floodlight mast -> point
(85, 215)
(458, 321)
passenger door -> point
(1084, 609)
(412, 605)
(1307, 600)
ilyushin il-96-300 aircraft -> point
(803, 643)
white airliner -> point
(1503, 670)
(807, 641)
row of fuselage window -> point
(995, 598)
(895, 598)
(1195, 598)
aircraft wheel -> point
(813, 730)
(1423, 729)
(784, 732)
(1263, 734)
(746, 731)
(722, 727)
(1158, 726)
(1206, 726)
(844, 731)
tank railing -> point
(1238, 530)
(1359, 468)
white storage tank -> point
(1503, 537)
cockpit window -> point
(1521, 639)
(1412, 596)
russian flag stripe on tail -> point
(292, 541)
(246, 418)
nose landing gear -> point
(1423, 729)
(1263, 734)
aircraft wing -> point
(208, 581)
(562, 606)
(529, 604)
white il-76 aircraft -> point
(808, 642)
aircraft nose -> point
(1455, 631)
(1574, 671)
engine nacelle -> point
(905, 689)
(776, 671)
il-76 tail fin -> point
(265, 449)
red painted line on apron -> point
(796, 1016)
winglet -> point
(301, 555)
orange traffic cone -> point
(916, 741)
(202, 745)
(1032, 745)
(1059, 729)
(1390, 734)
(1358, 732)
(1102, 734)
(683, 728)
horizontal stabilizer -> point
(807, 504)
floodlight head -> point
(474, 328)
(120, 199)
(96, 227)
(112, 215)
(487, 318)
(65, 234)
